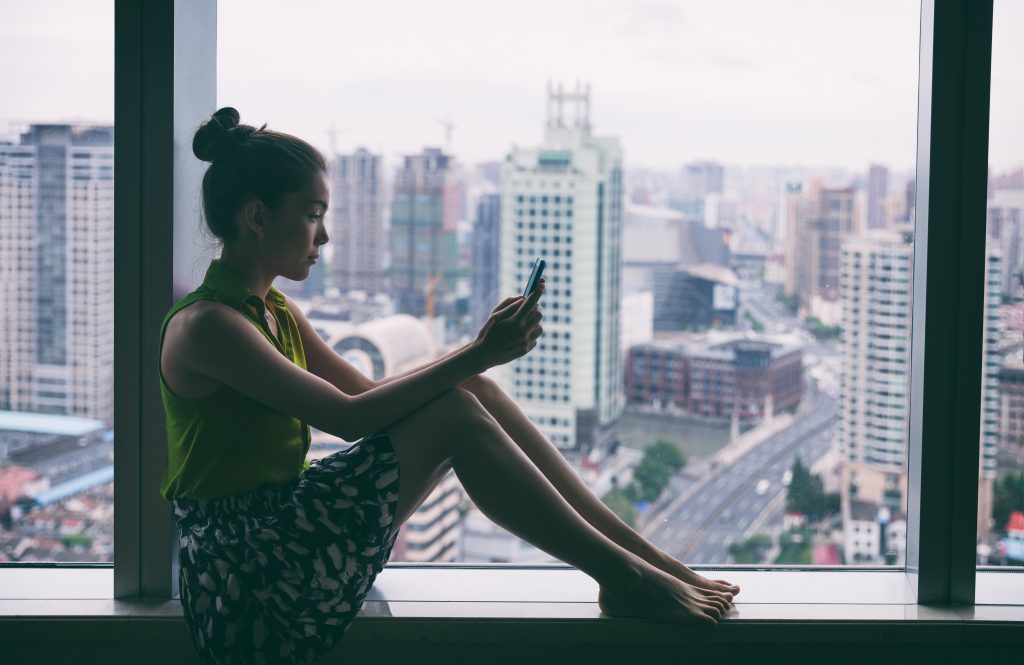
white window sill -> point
(545, 592)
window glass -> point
(738, 178)
(1001, 487)
(56, 282)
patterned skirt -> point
(276, 575)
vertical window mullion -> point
(953, 114)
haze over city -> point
(675, 81)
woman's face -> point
(295, 230)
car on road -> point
(787, 477)
(762, 487)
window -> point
(56, 244)
(721, 210)
(1001, 487)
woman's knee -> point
(482, 387)
(459, 407)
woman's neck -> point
(248, 271)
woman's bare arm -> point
(225, 346)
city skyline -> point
(480, 79)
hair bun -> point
(220, 135)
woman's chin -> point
(298, 275)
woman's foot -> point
(657, 595)
(680, 571)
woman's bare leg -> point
(552, 464)
(511, 491)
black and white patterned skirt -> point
(277, 575)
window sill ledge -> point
(557, 605)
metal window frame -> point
(945, 404)
(163, 75)
(164, 79)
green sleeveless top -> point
(226, 443)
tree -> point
(751, 550)
(667, 453)
(1008, 496)
(621, 505)
(806, 494)
(660, 461)
(792, 303)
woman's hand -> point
(511, 330)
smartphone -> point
(534, 281)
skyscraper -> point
(875, 386)
(484, 257)
(991, 361)
(56, 271)
(818, 219)
(877, 293)
(357, 222)
(878, 190)
(424, 218)
(697, 180)
(563, 201)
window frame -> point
(165, 82)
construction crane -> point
(333, 134)
(449, 129)
(428, 291)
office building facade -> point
(357, 223)
(56, 271)
(424, 218)
(563, 201)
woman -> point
(277, 554)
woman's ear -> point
(254, 216)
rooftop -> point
(47, 423)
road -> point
(701, 529)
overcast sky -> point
(808, 82)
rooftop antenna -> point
(578, 99)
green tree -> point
(751, 550)
(621, 505)
(660, 461)
(792, 303)
(795, 547)
(806, 494)
(1008, 496)
(667, 453)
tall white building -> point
(991, 360)
(56, 271)
(563, 201)
(877, 290)
(357, 228)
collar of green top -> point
(220, 279)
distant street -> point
(701, 529)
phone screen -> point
(534, 281)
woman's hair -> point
(249, 163)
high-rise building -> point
(878, 190)
(875, 386)
(991, 361)
(424, 220)
(485, 255)
(433, 532)
(697, 180)
(56, 271)
(818, 220)
(1005, 225)
(357, 222)
(563, 201)
(877, 291)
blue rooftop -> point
(76, 485)
(48, 423)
